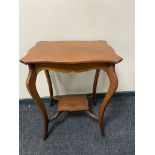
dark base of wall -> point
(29, 101)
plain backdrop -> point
(145, 75)
(108, 20)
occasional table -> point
(71, 56)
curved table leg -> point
(95, 85)
(112, 88)
(31, 86)
(49, 86)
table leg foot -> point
(112, 88)
(45, 135)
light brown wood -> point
(76, 56)
(66, 68)
(31, 86)
(71, 52)
(49, 86)
(95, 85)
(111, 90)
(73, 103)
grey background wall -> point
(108, 20)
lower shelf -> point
(73, 103)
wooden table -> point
(68, 56)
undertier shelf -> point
(73, 103)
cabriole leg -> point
(112, 88)
(31, 86)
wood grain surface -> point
(73, 103)
(71, 52)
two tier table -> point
(71, 56)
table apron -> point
(72, 67)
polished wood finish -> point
(73, 103)
(66, 68)
(68, 57)
(71, 52)
(49, 86)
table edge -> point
(70, 63)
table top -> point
(71, 52)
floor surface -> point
(74, 133)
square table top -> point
(71, 52)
